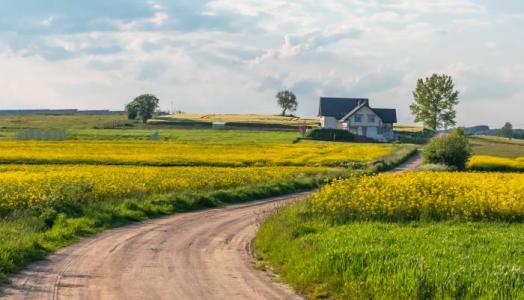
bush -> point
(452, 150)
(329, 134)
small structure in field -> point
(358, 117)
(219, 125)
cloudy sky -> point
(234, 55)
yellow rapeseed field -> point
(487, 163)
(425, 195)
(173, 153)
(25, 186)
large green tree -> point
(287, 101)
(143, 107)
(435, 100)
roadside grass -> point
(380, 260)
(497, 146)
(28, 235)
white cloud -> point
(232, 56)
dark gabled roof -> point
(338, 107)
(353, 111)
(388, 115)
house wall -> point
(328, 122)
(373, 128)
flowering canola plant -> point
(489, 163)
(189, 154)
(424, 196)
(26, 186)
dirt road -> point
(200, 255)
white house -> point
(356, 116)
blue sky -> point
(233, 56)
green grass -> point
(376, 260)
(29, 235)
(497, 146)
(87, 127)
(187, 135)
(180, 135)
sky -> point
(233, 56)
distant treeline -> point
(59, 112)
(485, 130)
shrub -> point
(329, 134)
(452, 150)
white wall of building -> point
(328, 122)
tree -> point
(132, 111)
(435, 99)
(452, 150)
(143, 107)
(507, 130)
(287, 100)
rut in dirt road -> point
(199, 255)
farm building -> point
(356, 116)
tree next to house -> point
(142, 107)
(435, 101)
(287, 101)
(507, 130)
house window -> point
(371, 119)
(358, 118)
(380, 130)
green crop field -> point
(497, 146)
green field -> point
(375, 260)
(497, 146)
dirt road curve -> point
(201, 255)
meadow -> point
(497, 146)
(419, 235)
